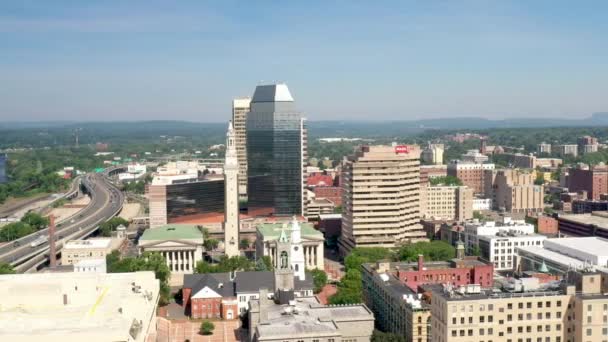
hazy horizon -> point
(155, 60)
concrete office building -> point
(514, 191)
(521, 161)
(75, 307)
(471, 174)
(181, 245)
(428, 172)
(240, 108)
(75, 251)
(501, 249)
(397, 309)
(433, 154)
(305, 319)
(575, 311)
(474, 156)
(544, 148)
(381, 197)
(587, 144)
(549, 163)
(566, 150)
(274, 239)
(446, 202)
(3, 175)
(593, 180)
(276, 153)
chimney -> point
(420, 262)
(52, 249)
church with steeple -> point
(294, 246)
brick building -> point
(210, 295)
(471, 174)
(547, 225)
(319, 179)
(332, 193)
(594, 180)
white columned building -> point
(180, 244)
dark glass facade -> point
(274, 158)
(195, 198)
(3, 177)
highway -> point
(10, 247)
(106, 201)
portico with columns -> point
(180, 245)
(270, 237)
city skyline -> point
(401, 61)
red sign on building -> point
(402, 149)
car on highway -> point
(39, 241)
(16, 244)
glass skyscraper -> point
(276, 151)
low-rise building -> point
(560, 255)
(566, 150)
(544, 148)
(180, 244)
(549, 163)
(593, 224)
(307, 320)
(227, 295)
(75, 307)
(480, 204)
(501, 249)
(275, 239)
(75, 251)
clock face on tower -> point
(295, 248)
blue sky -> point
(131, 60)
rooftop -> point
(77, 306)
(590, 245)
(273, 230)
(172, 231)
(272, 93)
(91, 243)
(593, 218)
(306, 317)
(555, 257)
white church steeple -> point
(297, 251)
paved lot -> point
(180, 331)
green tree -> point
(433, 251)
(244, 244)
(379, 336)
(106, 228)
(210, 244)
(319, 279)
(475, 250)
(35, 220)
(237, 263)
(445, 180)
(264, 264)
(478, 215)
(6, 268)
(349, 289)
(207, 327)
